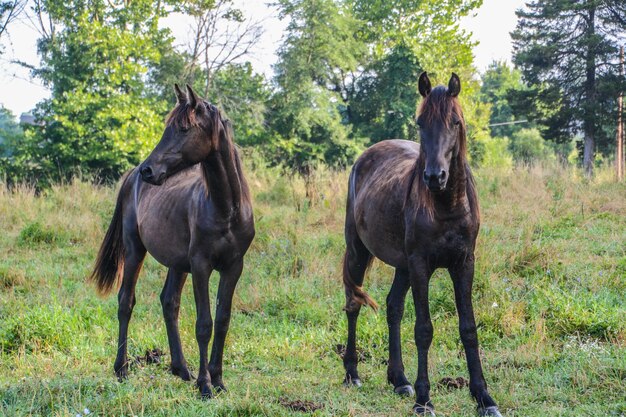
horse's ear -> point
(424, 84)
(193, 98)
(454, 85)
(180, 96)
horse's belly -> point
(168, 244)
(379, 184)
(381, 230)
(163, 224)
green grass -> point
(549, 298)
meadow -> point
(549, 297)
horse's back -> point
(377, 190)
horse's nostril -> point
(441, 177)
(146, 172)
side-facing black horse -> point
(415, 207)
(187, 204)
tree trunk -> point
(619, 152)
(589, 123)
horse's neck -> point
(222, 177)
(454, 198)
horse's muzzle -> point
(436, 182)
(148, 176)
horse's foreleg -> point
(228, 282)
(133, 259)
(395, 311)
(462, 278)
(201, 271)
(419, 279)
(170, 301)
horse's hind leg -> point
(228, 282)
(170, 300)
(356, 260)
(395, 311)
(135, 252)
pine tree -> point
(567, 52)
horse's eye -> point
(184, 129)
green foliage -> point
(497, 82)
(35, 233)
(528, 147)
(347, 74)
(40, 329)
(308, 130)
(11, 134)
(429, 27)
(100, 119)
(243, 96)
(319, 51)
(567, 53)
(321, 44)
(494, 152)
(346, 77)
(585, 313)
(386, 98)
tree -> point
(319, 53)
(384, 104)
(222, 37)
(101, 118)
(10, 132)
(357, 62)
(498, 80)
(527, 147)
(430, 27)
(9, 11)
(567, 52)
(243, 96)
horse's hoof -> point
(205, 391)
(405, 391)
(219, 387)
(424, 410)
(206, 394)
(352, 382)
(182, 373)
(489, 411)
(122, 374)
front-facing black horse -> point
(414, 206)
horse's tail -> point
(110, 261)
(355, 295)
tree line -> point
(345, 78)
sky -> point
(490, 27)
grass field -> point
(550, 299)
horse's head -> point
(191, 134)
(441, 128)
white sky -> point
(19, 92)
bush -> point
(496, 153)
(35, 233)
(528, 147)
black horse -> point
(415, 207)
(187, 204)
